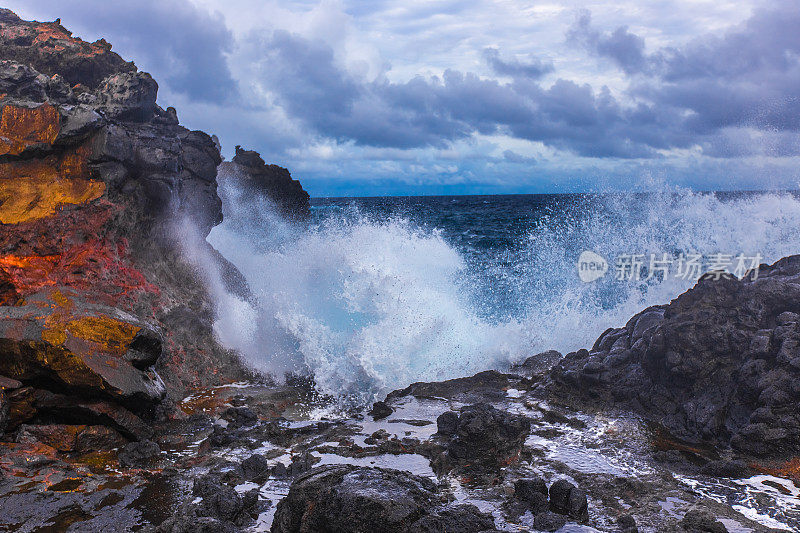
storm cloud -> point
(533, 69)
(341, 90)
(748, 78)
(435, 111)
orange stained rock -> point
(207, 401)
(102, 462)
(28, 272)
(69, 484)
(36, 188)
(51, 31)
(788, 470)
(21, 127)
(106, 333)
(59, 39)
(664, 441)
(62, 300)
(61, 437)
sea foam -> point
(367, 306)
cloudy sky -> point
(469, 97)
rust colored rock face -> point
(37, 188)
(72, 438)
(22, 127)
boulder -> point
(447, 423)
(698, 521)
(85, 348)
(349, 499)
(454, 519)
(720, 364)
(255, 467)
(222, 502)
(216, 507)
(549, 521)
(567, 499)
(139, 454)
(380, 410)
(128, 96)
(486, 437)
(533, 492)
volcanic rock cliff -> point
(97, 304)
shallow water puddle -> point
(755, 498)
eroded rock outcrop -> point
(719, 364)
(271, 182)
(58, 340)
(96, 299)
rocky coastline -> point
(119, 411)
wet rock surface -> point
(218, 468)
(346, 498)
(481, 437)
(717, 365)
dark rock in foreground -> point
(720, 364)
(380, 410)
(348, 499)
(532, 492)
(701, 522)
(218, 508)
(137, 454)
(481, 437)
(567, 499)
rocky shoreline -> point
(119, 411)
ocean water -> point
(376, 293)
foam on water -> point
(568, 314)
(368, 305)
